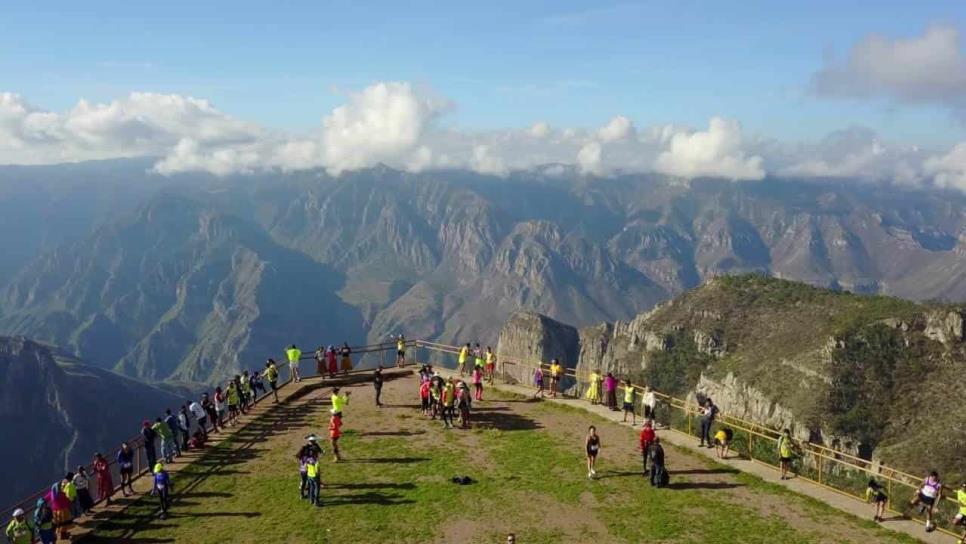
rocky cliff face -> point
(528, 337)
(861, 374)
(60, 412)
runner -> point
(593, 391)
(960, 519)
(338, 401)
(722, 442)
(150, 437)
(320, 361)
(346, 353)
(649, 403)
(478, 383)
(875, 494)
(105, 484)
(335, 432)
(424, 396)
(163, 488)
(786, 450)
(464, 353)
(82, 484)
(44, 521)
(377, 384)
(555, 372)
(401, 351)
(294, 354)
(645, 441)
(592, 444)
(330, 360)
(930, 493)
(538, 381)
(271, 374)
(629, 396)
(490, 365)
(19, 530)
(125, 464)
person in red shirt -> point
(335, 432)
(424, 396)
(647, 438)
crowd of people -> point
(450, 399)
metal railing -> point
(832, 469)
(136, 443)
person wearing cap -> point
(19, 530)
(162, 487)
(294, 354)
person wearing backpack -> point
(44, 521)
(659, 476)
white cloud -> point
(540, 130)
(927, 69)
(486, 163)
(716, 152)
(589, 159)
(949, 170)
(618, 128)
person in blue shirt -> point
(162, 488)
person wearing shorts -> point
(125, 464)
(555, 371)
(293, 354)
(722, 442)
(875, 494)
(538, 382)
(785, 453)
(592, 445)
(400, 351)
(629, 394)
(930, 492)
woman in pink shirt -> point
(610, 388)
(478, 383)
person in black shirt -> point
(150, 436)
(656, 455)
(377, 383)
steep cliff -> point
(528, 337)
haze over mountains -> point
(191, 277)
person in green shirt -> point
(167, 439)
(19, 530)
(294, 354)
(449, 402)
(271, 374)
(786, 450)
(960, 519)
(338, 401)
(234, 399)
(629, 394)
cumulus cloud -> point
(948, 171)
(589, 159)
(540, 130)
(716, 152)
(618, 128)
(930, 68)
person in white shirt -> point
(648, 403)
(200, 416)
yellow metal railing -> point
(829, 468)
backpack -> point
(665, 478)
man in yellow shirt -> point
(464, 353)
(339, 401)
(960, 518)
(294, 354)
(556, 371)
(490, 364)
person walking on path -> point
(786, 451)
(556, 371)
(490, 365)
(929, 495)
(658, 469)
(105, 484)
(538, 381)
(125, 465)
(150, 437)
(82, 484)
(464, 354)
(593, 390)
(163, 489)
(610, 390)
(629, 395)
(294, 354)
(478, 383)
(592, 445)
(335, 433)
(19, 530)
(271, 374)
(649, 403)
(221, 402)
(876, 495)
(645, 441)
(708, 414)
(377, 384)
(346, 353)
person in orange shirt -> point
(335, 432)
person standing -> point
(184, 427)
(271, 374)
(167, 439)
(150, 437)
(538, 381)
(105, 484)
(658, 469)
(478, 383)
(401, 351)
(60, 504)
(449, 401)
(610, 391)
(346, 353)
(221, 401)
(233, 398)
(592, 445)
(786, 450)
(593, 390)
(313, 476)
(330, 359)
(172, 422)
(649, 403)
(555, 374)
(163, 489)
(85, 502)
(424, 396)
(125, 464)
(200, 415)
(645, 441)
(44, 521)
(19, 530)
(211, 411)
(629, 396)
(294, 354)
(490, 365)
(377, 384)
(960, 519)
(708, 414)
(335, 433)
(320, 361)
(478, 361)
(464, 354)
(339, 401)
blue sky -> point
(503, 64)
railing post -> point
(819, 468)
(687, 410)
(751, 445)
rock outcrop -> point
(529, 337)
